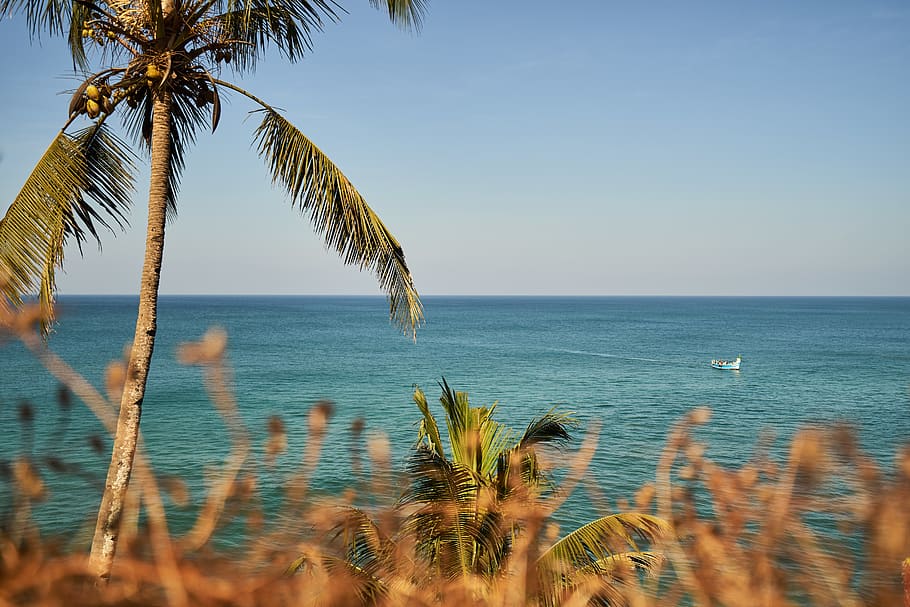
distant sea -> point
(634, 365)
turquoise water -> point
(635, 365)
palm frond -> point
(298, 565)
(138, 120)
(552, 428)
(457, 525)
(602, 580)
(429, 429)
(53, 205)
(477, 439)
(196, 11)
(642, 562)
(407, 14)
(51, 16)
(80, 15)
(605, 537)
(435, 479)
(495, 438)
(459, 543)
(361, 585)
(366, 547)
(257, 25)
(338, 212)
(558, 587)
(456, 407)
(444, 528)
(156, 17)
(524, 481)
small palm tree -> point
(465, 512)
(162, 64)
(459, 520)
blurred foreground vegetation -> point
(470, 521)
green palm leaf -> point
(644, 562)
(80, 15)
(368, 588)
(338, 212)
(457, 526)
(51, 16)
(551, 429)
(404, 13)
(495, 438)
(604, 538)
(600, 550)
(444, 526)
(457, 409)
(367, 548)
(434, 480)
(428, 435)
(608, 574)
(258, 24)
(477, 440)
(53, 205)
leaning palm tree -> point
(162, 63)
(465, 511)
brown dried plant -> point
(822, 525)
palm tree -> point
(162, 64)
(459, 522)
(466, 512)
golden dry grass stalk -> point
(820, 525)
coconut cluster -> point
(96, 98)
(98, 34)
(149, 70)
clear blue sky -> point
(679, 148)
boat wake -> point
(604, 355)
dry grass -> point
(824, 526)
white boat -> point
(729, 365)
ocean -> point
(629, 366)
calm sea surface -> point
(635, 365)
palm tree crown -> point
(158, 49)
(466, 512)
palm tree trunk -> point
(104, 544)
